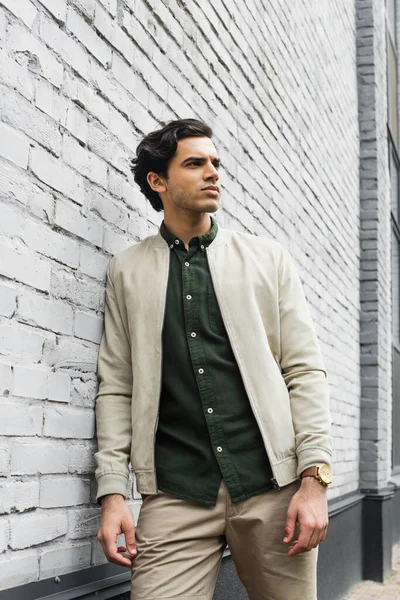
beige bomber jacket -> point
(272, 336)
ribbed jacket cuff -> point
(111, 483)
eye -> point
(195, 163)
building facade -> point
(303, 100)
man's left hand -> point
(309, 508)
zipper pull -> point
(275, 483)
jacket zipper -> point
(266, 442)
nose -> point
(211, 172)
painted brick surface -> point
(81, 82)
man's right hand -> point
(117, 518)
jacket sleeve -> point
(113, 400)
(303, 371)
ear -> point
(156, 182)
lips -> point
(213, 188)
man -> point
(213, 387)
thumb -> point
(290, 526)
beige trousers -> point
(180, 546)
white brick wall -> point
(80, 82)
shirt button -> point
(188, 297)
(193, 334)
(201, 371)
(177, 242)
(202, 247)
(210, 410)
(171, 246)
(186, 264)
(219, 449)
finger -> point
(128, 529)
(124, 560)
(324, 533)
(121, 549)
(301, 545)
(289, 526)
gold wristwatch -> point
(322, 473)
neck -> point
(188, 226)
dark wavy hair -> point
(156, 150)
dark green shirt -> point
(206, 429)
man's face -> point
(193, 181)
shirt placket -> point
(191, 296)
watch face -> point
(325, 473)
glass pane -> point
(396, 288)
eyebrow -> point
(199, 159)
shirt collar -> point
(202, 240)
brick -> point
(12, 221)
(77, 123)
(64, 559)
(57, 8)
(18, 496)
(23, 9)
(110, 5)
(21, 115)
(48, 314)
(25, 268)
(88, 327)
(6, 377)
(4, 459)
(8, 300)
(23, 568)
(57, 492)
(66, 47)
(57, 175)
(86, 6)
(70, 219)
(114, 242)
(30, 382)
(59, 387)
(18, 419)
(14, 146)
(109, 211)
(16, 76)
(114, 35)
(49, 101)
(84, 293)
(104, 146)
(72, 354)
(66, 422)
(38, 456)
(4, 532)
(37, 528)
(87, 98)
(89, 38)
(39, 59)
(53, 244)
(123, 130)
(83, 523)
(85, 162)
(93, 264)
(22, 342)
(83, 392)
(81, 459)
